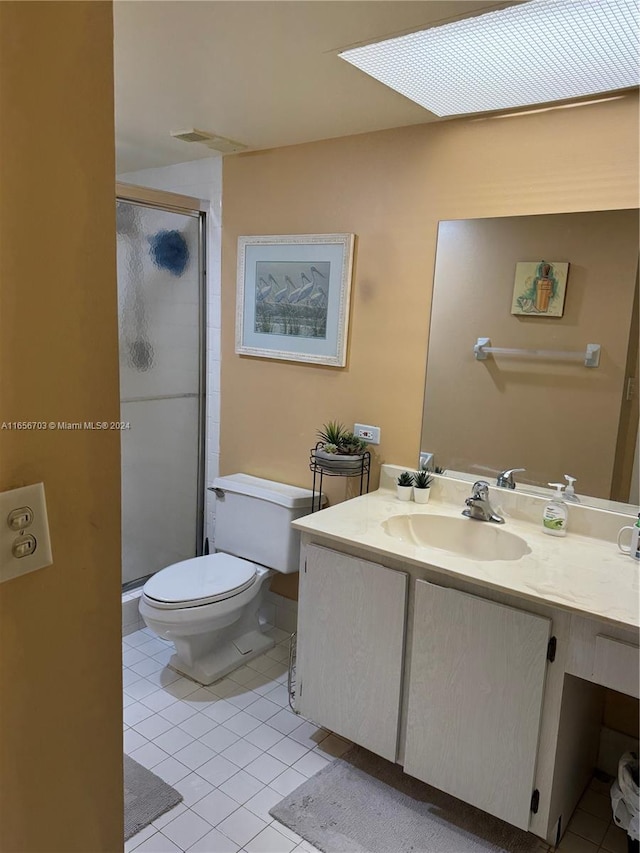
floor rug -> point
(361, 803)
(146, 797)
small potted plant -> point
(422, 481)
(339, 451)
(405, 486)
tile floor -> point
(234, 749)
(591, 829)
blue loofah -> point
(169, 251)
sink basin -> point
(476, 540)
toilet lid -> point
(201, 580)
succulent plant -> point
(405, 479)
(422, 479)
(336, 438)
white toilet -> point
(208, 606)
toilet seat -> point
(199, 581)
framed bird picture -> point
(293, 296)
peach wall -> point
(60, 671)
(549, 417)
(391, 188)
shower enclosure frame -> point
(177, 203)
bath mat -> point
(146, 797)
(361, 803)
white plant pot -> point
(404, 492)
(421, 496)
(338, 463)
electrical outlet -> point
(25, 545)
(370, 434)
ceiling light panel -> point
(537, 52)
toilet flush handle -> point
(219, 492)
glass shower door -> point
(161, 313)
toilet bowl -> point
(209, 606)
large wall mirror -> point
(539, 412)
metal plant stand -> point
(322, 469)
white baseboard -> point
(131, 619)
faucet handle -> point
(480, 489)
(505, 478)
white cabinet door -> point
(351, 623)
(475, 698)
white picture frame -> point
(293, 297)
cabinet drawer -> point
(617, 665)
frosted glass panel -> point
(160, 327)
(158, 299)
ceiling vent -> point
(211, 140)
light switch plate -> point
(32, 498)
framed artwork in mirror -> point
(293, 295)
(540, 288)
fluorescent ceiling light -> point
(537, 52)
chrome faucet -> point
(505, 478)
(479, 506)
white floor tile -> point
(242, 723)
(219, 738)
(261, 802)
(135, 713)
(241, 753)
(153, 726)
(173, 741)
(167, 817)
(243, 698)
(264, 737)
(241, 787)
(308, 734)
(270, 841)
(132, 740)
(159, 700)
(285, 721)
(136, 639)
(260, 664)
(572, 843)
(214, 842)
(215, 807)
(221, 711)
(217, 770)
(263, 709)
(149, 755)
(129, 676)
(171, 771)
(615, 841)
(177, 712)
(265, 768)
(262, 684)
(152, 647)
(310, 764)
(131, 656)
(288, 750)
(241, 826)
(278, 634)
(147, 667)
(588, 826)
(193, 788)
(198, 725)
(279, 695)
(288, 833)
(288, 781)
(242, 674)
(157, 843)
(186, 829)
(224, 687)
(194, 754)
(139, 689)
(137, 839)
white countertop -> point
(579, 573)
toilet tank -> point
(253, 520)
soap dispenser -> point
(570, 492)
(554, 517)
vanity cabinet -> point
(350, 650)
(476, 685)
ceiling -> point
(264, 73)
